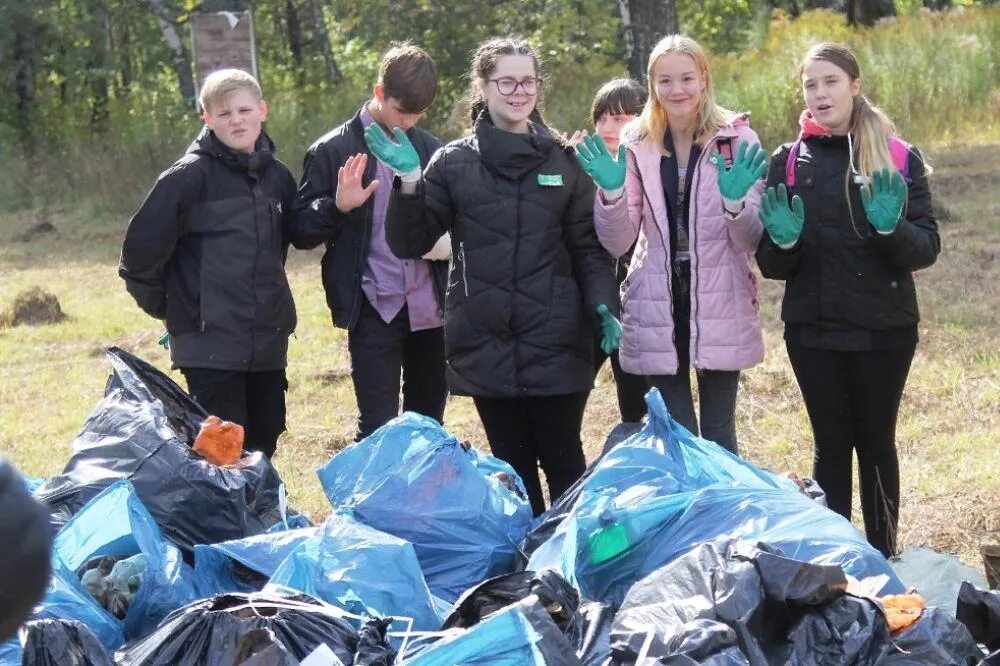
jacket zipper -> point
(461, 257)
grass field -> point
(949, 428)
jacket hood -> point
(209, 145)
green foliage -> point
(103, 114)
(937, 75)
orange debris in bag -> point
(902, 610)
(219, 442)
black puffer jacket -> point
(206, 252)
(24, 523)
(528, 271)
(317, 220)
(843, 277)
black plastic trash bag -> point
(57, 642)
(141, 431)
(936, 638)
(590, 632)
(979, 611)
(556, 595)
(213, 632)
(778, 611)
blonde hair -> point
(653, 122)
(220, 83)
(869, 126)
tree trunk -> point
(644, 23)
(24, 77)
(179, 57)
(835, 5)
(866, 12)
(323, 40)
(294, 25)
(99, 66)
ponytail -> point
(872, 129)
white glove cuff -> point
(733, 206)
(411, 176)
(611, 196)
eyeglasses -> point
(508, 86)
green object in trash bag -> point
(608, 542)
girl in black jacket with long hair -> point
(846, 245)
(529, 283)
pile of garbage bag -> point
(668, 550)
(142, 431)
(463, 511)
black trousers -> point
(379, 352)
(717, 391)
(631, 389)
(853, 399)
(255, 400)
(543, 429)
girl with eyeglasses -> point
(858, 224)
(684, 189)
(529, 284)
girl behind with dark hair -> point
(530, 284)
(859, 223)
(616, 104)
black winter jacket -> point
(316, 218)
(528, 271)
(206, 251)
(24, 523)
(845, 284)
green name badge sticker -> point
(550, 180)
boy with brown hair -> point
(392, 308)
(206, 252)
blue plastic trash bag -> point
(457, 506)
(936, 576)
(116, 524)
(663, 491)
(663, 453)
(361, 570)
(244, 565)
(66, 599)
(608, 543)
(523, 634)
(32, 482)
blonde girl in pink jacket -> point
(685, 188)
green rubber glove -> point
(883, 199)
(608, 173)
(749, 166)
(401, 156)
(783, 224)
(611, 330)
(164, 340)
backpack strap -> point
(899, 151)
(793, 155)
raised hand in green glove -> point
(749, 166)
(608, 173)
(883, 199)
(783, 224)
(611, 330)
(400, 155)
